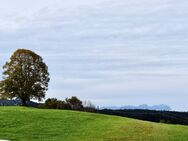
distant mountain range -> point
(161, 107)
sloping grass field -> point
(29, 124)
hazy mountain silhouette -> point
(161, 107)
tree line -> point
(72, 103)
(170, 117)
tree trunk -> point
(24, 102)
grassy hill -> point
(29, 124)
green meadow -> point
(30, 124)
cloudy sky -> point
(112, 52)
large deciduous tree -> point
(25, 77)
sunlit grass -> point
(29, 124)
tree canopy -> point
(74, 103)
(25, 77)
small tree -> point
(51, 103)
(25, 77)
(74, 102)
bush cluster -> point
(72, 103)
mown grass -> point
(29, 124)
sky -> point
(111, 52)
